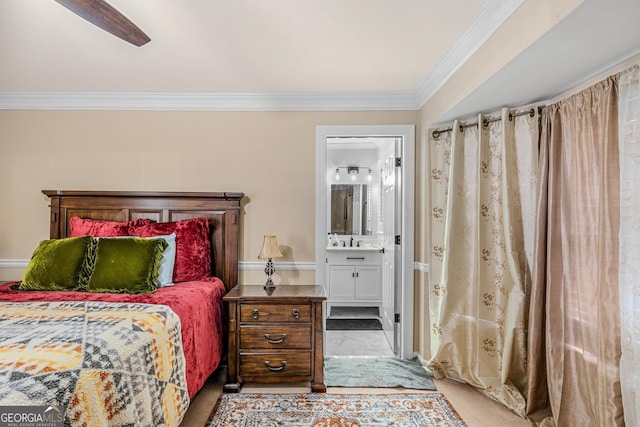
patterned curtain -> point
(483, 195)
(629, 272)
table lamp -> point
(269, 250)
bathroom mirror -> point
(350, 209)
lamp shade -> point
(269, 248)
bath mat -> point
(387, 372)
(354, 325)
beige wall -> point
(270, 156)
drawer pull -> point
(296, 313)
(268, 338)
(254, 313)
(356, 257)
(275, 368)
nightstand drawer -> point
(275, 313)
(275, 337)
(275, 364)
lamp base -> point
(269, 284)
(269, 270)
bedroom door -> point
(395, 231)
(392, 256)
(390, 327)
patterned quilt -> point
(108, 364)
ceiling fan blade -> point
(103, 15)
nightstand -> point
(275, 337)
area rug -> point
(353, 325)
(334, 410)
(388, 372)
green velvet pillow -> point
(59, 265)
(126, 265)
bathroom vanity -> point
(354, 277)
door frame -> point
(407, 133)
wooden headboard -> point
(222, 209)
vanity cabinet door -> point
(342, 282)
(368, 283)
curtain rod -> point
(485, 122)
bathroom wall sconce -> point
(353, 172)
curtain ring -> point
(485, 123)
(532, 112)
(436, 134)
(461, 128)
(510, 117)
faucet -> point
(351, 242)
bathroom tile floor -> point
(357, 343)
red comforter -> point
(198, 304)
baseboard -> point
(243, 265)
(279, 266)
(14, 263)
(420, 266)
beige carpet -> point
(475, 409)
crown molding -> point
(490, 18)
(206, 101)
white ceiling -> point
(232, 46)
(331, 48)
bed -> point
(112, 358)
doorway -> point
(379, 160)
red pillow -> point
(98, 228)
(193, 246)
